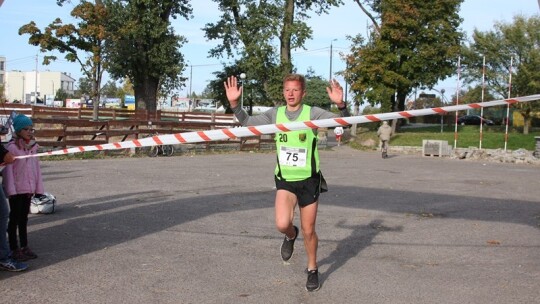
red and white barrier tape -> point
(223, 134)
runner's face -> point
(293, 93)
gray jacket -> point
(384, 132)
(269, 117)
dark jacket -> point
(3, 152)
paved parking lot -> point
(200, 229)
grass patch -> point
(468, 136)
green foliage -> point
(255, 92)
(473, 95)
(61, 94)
(127, 87)
(316, 92)
(371, 110)
(415, 45)
(216, 86)
(85, 86)
(468, 136)
(207, 93)
(249, 30)
(508, 44)
(111, 90)
(143, 46)
(423, 102)
(87, 37)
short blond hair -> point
(296, 77)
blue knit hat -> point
(21, 121)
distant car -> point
(474, 120)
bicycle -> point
(165, 150)
(384, 148)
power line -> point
(325, 49)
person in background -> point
(6, 262)
(384, 132)
(338, 131)
(21, 180)
(298, 178)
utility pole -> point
(190, 81)
(331, 51)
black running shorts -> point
(307, 191)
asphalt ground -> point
(200, 229)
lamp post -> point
(242, 76)
(331, 51)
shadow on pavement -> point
(86, 226)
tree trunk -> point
(401, 96)
(95, 104)
(525, 112)
(393, 103)
(97, 74)
(95, 99)
(398, 104)
(146, 94)
(285, 38)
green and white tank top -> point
(297, 154)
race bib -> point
(294, 157)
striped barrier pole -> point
(231, 133)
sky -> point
(329, 31)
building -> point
(23, 87)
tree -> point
(207, 93)
(87, 37)
(85, 86)
(515, 42)
(413, 44)
(216, 86)
(110, 89)
(126, 89)
(143, 47)
(474, 94)
(62, 95)
(425, 101)
(250, 28)
(316, 92)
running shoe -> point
(12, 265)
(287, 247)
(312, 283)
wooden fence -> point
(71, 127)
(113, 114)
